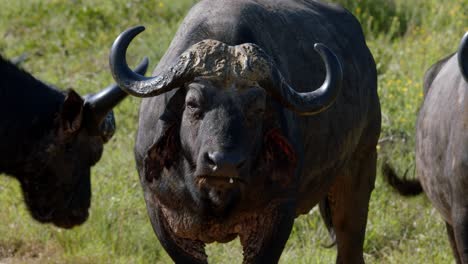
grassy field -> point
(67, 44)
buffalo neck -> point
(28, 108)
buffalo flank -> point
(442, 147)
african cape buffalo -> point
(49, 140)
(442, 147)
(237, 145)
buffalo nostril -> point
(223, 159)
(210, 159)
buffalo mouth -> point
(61, 216)
(219, 193)
(64, 217)
(219, 181)
(52, 208)
(75, 218)
(72, 214)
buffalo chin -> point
(67, 221)
(219, 201)
(75, 219)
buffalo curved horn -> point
(99, 106)
(136, 84)
(185, 70)
(307, 103)
(463, 56)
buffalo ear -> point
(71, 114)
(162, 154)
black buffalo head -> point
(56, 179)
(219, 126)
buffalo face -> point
(57, 189)
(56, 182)
(222, 143)
(220, 137)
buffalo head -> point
(56, 178)
(219, 127)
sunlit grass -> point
(67, 43)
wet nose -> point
(224, 163)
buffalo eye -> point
(192, 105)
(194, 108)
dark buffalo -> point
(442, 147)
(235, 145)
(49, 140)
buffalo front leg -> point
(460, 231)
(265, 242)
(453, 243)
(181, 250)
(349, 201)
(459, 207)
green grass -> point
(68, 42)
